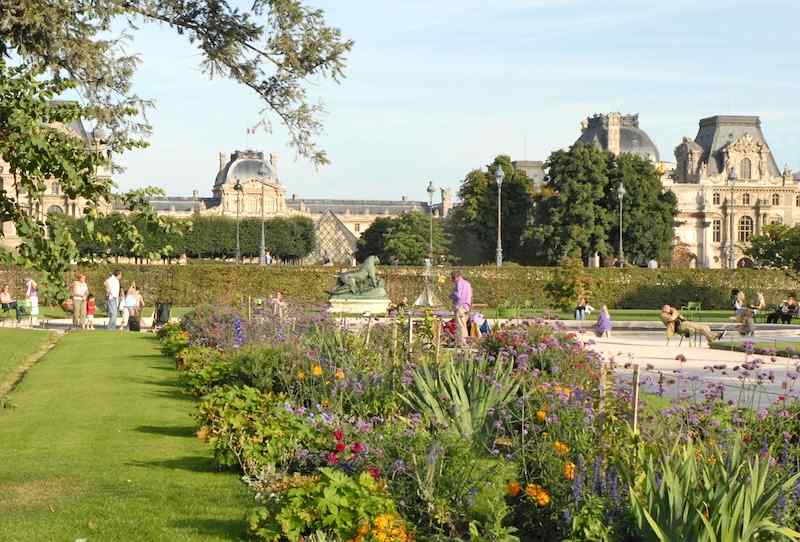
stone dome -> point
(246, 166)
(618, 133)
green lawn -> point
(100, 445)
(53, 311)
(16, 346)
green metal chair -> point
(692, 309)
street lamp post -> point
(620, 194)
(238, 188)
(263, 257)
(431, 192)
(731, 244)
(498, 176)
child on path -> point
(91, 309)
(604, 324)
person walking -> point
(462, 301)
(32, 295)
(112, 287)
(79, 291)
(604, 324)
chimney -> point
(273, 161)
(294, 197)
(403, 198)
(447, 202)
(221, 160)
(614, 122)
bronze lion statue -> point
(357, 282)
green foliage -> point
(403, 240)
(778, 246)
(460, 395)
(272, 48)
(473, 224)
(578, 208)
(590, 523)
(568, 283)
(698, 493)
(333, 502)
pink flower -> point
(358, 448)
(333, 458)
(374, 472)
(338, 435)
(340, 447)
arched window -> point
(746, 198)
(797, 200)
(716, 230)
(776, 199)
(745, 169)
(55, 210)
(745, 229)
(715, 199)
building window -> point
(746, 168)
(745, 229)
(746, 199)
(715, 199)
(55, 210)
(358, 228)
(56, 189)
(797, 200)
(776, 220)
(776, 199)
(716, 230)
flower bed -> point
(345, 435)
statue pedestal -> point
(355, 305)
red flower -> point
(340, 447)
(374, 472)
(358, 448)
(333, 458)
(338, 435)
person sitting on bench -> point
(7, 302)
(784, 312)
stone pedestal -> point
(353, 305)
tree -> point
(570, 214)
(404, 239)
(578, 208)
(473, 223)
(64, 44)
(778, 246)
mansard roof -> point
(356, 207)
(632, 139)
(717, 132)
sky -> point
(435, 88)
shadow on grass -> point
(168, 431)
(176, 395)
(225, 529)
(192, 463)
(167, 382)
(162, 368)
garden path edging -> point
(15, 377)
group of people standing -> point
(120, 302)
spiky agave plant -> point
(460, 394)
(706, 495)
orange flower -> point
(513, 488)
(541, 415)
(316, 370)
(339, 374)
(569, 471)
(301, 376)
(537, 494)
(561, 448)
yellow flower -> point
(542, 415)
(316, 370)
(513, 488)
(561, 448)
(301, 376)
(545, 434)
(569, 471)
(381, 522)
(339, 374)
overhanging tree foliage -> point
(273, 49)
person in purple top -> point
(462, 301)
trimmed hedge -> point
(512, 285)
